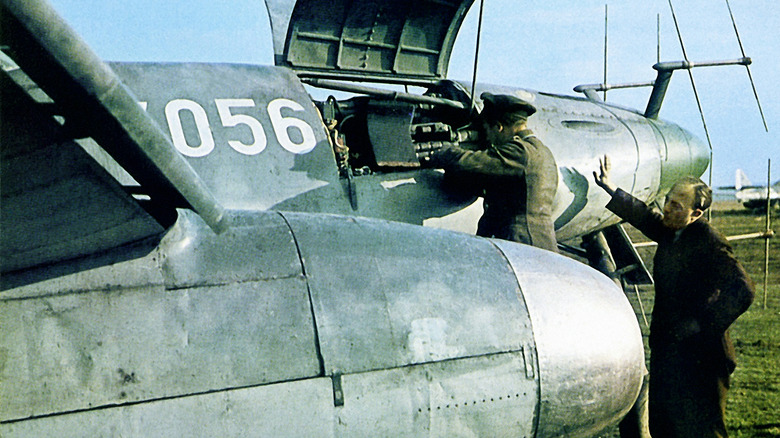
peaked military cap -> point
(504, 103)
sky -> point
(549, 46)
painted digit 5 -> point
(229, 119)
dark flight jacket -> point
(518, 181)
(700, 290)
(697, 279)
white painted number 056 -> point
(282, 126)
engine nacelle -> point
(296, 324)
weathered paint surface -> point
(579, 358)
(418, 330)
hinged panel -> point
(376, 38)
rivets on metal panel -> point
(474, 402)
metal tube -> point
(657, 37)
(750, 75)
(388, 94)
(687, 65)
(768, 223)
(591, 94)
(602, 87)
(665, 70)
(397, 79)
(476, 54)
(760, 235)
(641, 306)
(658, 94)
(54, 56)
(606, 27)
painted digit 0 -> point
(172, 114)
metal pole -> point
(750, 75)
(476, 55)
(768, 223)
(61, 63)
(606, 27)
(696, 94)
(641, 306)
(658, 37)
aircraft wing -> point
(46, 177)
(49, 75)
(377, 39)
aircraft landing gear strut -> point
(636, 422)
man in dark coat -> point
(514, 172)
(700, 290)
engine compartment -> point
(385, 132)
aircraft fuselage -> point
(262, 125)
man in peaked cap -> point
(513, 171)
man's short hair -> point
(702, 193)
(504, 109)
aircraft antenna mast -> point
(476, 55)
(693, 85)
(658, 37)
(768, 225)
(606, 15)
(750, 76)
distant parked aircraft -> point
(754, 196)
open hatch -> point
(381, 40)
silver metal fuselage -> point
(296, 170)
(296, 324)
(322, 308)
(311, 324)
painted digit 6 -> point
(282, 126)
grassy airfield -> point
(753, 407)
